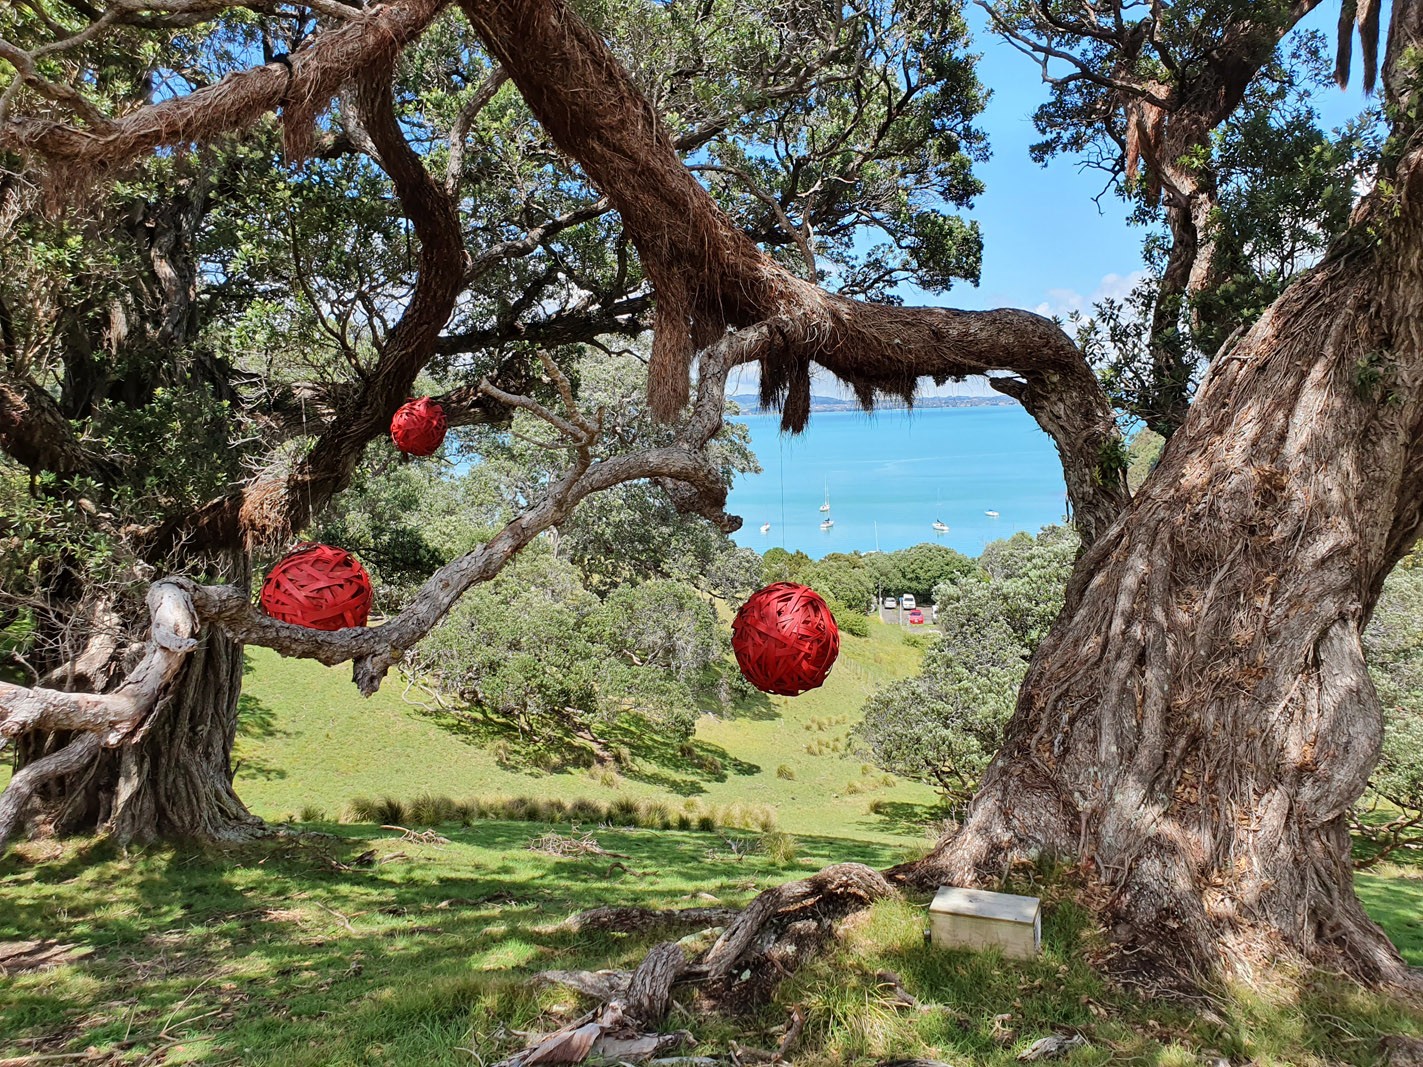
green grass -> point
(287, 953)
(272, 955)
(307, 737)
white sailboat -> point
(991, 514)
(827, 524)
(940, 526)
(765, 527)
(826, 506)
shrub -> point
(311, 813)
(786, 772)
(852, 622)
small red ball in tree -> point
(785, 639)
(319, 587)
(418, 428)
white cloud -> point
(1062, 302)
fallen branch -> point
(629, 919)
(556, 844)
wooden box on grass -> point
(978, 919)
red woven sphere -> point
(418, 428)
(785, 639)
(320, 587)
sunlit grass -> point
(309, 740)
(275, 954)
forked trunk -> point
(176, 782)
(1199, 722)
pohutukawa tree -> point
(1196, 726)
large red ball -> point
(319, 587)
(785, 639)
(418, 428)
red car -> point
(916, 618)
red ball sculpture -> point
(320, 587)
(418, 428)
(785, 639)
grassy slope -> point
(307, 738)
(271, 955)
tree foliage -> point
(945, 724)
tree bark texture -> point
(173, 723)
(1199, 721)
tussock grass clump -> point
(311, 813)
(779, 847)
(623, 812)
(585, 810)
(786, 772)
(430, 810)
(641, 813)
(391, 811)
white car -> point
(890, 602)
(906, 602)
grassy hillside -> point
(307, 738)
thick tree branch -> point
(301, 89)
(35, 433)
(112, 716)
(709, 276)
(75, 756)
(263, 513)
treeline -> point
(852, 583)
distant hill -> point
(750, 403)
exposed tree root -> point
(762, 945)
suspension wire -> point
(781, 440)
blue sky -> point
(1048, 246)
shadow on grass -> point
(903, 817)
(271, 950)
(681, 766)
(290, 952)
(256, 721)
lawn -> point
(292, 952)
(351, 944)
(308, 739)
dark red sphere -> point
(418, 428)
(320, 587)
(785, 639)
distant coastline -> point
(750, 403)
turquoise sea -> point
(891, 474)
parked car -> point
(890, 602)
(916, 618)
(906, 602)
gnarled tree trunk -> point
(176, 782)
(1200, 721)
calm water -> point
(899, 471)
